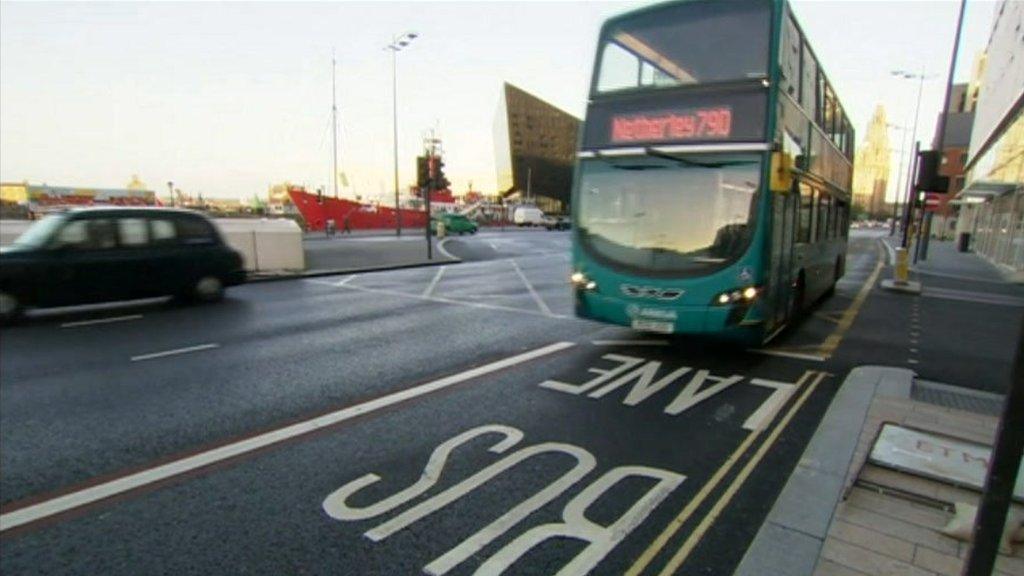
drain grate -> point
(958, 398)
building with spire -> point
(871, 166)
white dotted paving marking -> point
(135, 480)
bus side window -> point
(803, 233)
(824, 222)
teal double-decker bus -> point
(712, 186)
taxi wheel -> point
(208, 289)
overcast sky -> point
(229, 98)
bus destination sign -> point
(674, 126)
(676, 116)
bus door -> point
(784, 220)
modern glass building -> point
(992, 200)
(535, 145)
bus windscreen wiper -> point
(664, 156)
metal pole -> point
(1002, 473)
(170, 190)
(394, 123)
(926, 233)
(899, 181)
(334, 120)
(429, 189)
(908, 211)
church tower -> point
(871, 166)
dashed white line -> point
(135, 480)
(346, 280)
(174, 352)
(433, 283)
(101, 321)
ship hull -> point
(360, 216)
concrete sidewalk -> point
(841, 516)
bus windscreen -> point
(698, 42)
(665, 215)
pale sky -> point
(228, 98)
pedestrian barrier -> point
(267, 246)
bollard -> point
(440, 229)
(901, 272)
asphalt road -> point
(448, 420)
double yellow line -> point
(809, 381)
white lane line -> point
(630, 342)
(101, 321)
(442, 250)
(536, 297)
(433, 283)
(345, 281)
(123, 484)
(444, 300)
(321, 282)
(782, 354)
(175, 352)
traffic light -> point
(928, 178)
(440, 181)
(422, 172)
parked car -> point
(556, 223)
(453, 224)
(528, 216)
(94, 255)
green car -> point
(453, 224)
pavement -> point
(841, 514)
(451, 419)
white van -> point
(527, 216)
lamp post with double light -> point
(398, 43)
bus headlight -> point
(581, 282)
(738, 296)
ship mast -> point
(334, 123)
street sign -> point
(938, 457)
(932, 201)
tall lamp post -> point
(170, 190)
(397, 44)
(920, 77)
(899, 176)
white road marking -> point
(101, 321)
(318, 281)
(123, 484)
(174, 352)
(346, 280)
(442, 250)
(784, 354)
(455, 302)
(630, 342)
(433, 283)
(536, 297)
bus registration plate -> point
(653, 326)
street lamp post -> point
(908, 211)
(170, 190)
(397, 44)
(899, 176)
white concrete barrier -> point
(266, 245)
